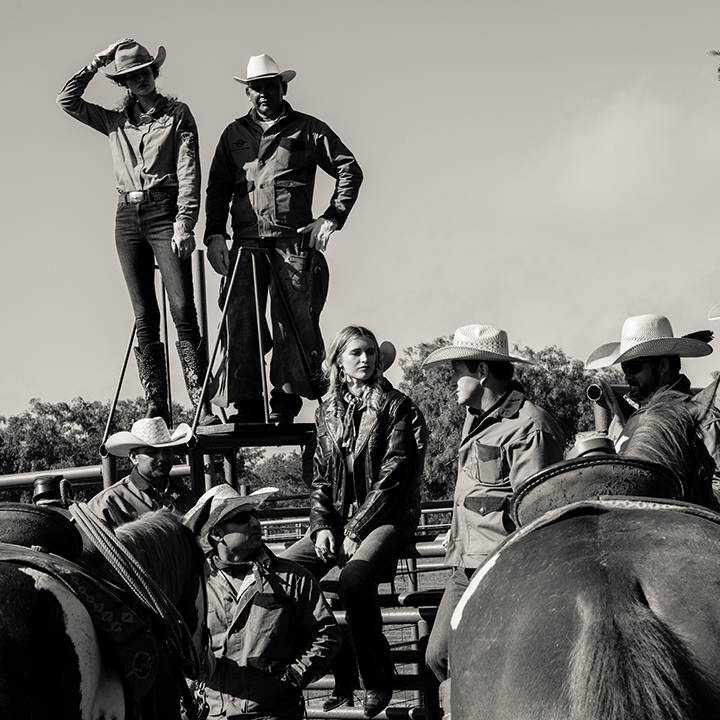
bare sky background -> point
(548, 167)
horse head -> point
(666, 432)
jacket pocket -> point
(485, 464)
(292, 203)
(484, 504)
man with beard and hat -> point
(151, 449)
(264, 172)
(505, 439)
(649, 354)
(272, 632)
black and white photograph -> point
(360, 360)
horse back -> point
(517, 634)
(50, 659)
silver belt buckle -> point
(135, 197)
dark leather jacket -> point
(387, 464)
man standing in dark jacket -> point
(264, 172)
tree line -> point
(48, 436)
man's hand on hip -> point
(218, 255)
(320, 231)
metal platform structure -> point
(226, 438)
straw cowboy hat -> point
(218, 503)
(147, 432)
(647, 336)
(475, 342)
(263, 66)
(131, 57)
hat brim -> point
(466, 352)
(121, 443)
(285, 76)
(158, 60)
(609, 353)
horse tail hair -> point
(628, 665)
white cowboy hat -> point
(646, 336)
(475, 342)
(147, 432)
(216, 504)
(263, 66)
(130, 57)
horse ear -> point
(707, 398)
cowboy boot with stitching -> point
(151, 369)
(194, 366)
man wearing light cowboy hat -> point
(151, 449)
(272, 632)
(505, 439)
(649, 354)
(264, 171)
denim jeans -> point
(143, 235)
(436, 654)
(373, 561)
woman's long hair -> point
(336, 377)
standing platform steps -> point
(227, 438)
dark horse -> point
(56, 658)
(603, 609)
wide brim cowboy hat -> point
(647, 336)
(148, 432)
(219, 503)
(475, 342)
(131, 57)
(261, 67)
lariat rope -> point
(145, 589)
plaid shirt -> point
(159, 153)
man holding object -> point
(263, 172)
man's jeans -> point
(143, 237)
(436, 654)
(373, 562)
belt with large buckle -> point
(135, 197)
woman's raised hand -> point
(105, 56)
(325, 544)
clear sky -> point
(548, 167)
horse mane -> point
(663, 432)
(164, 547)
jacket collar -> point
(286, 112)
(508, 406)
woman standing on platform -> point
(364, 503)
(154, 147)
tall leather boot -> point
(151, 368)
(193, 361)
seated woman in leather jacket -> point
(364, 502)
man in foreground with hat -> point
(272, 632)
(649, 354)
(505, 439)
(264, 171)
(151, 449)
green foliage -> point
(283, 471)
(556, 383)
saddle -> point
(46, 528)
(122, 631)
(590, 478)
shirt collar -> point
(285, 112)
(153, 113)
(507, 406)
